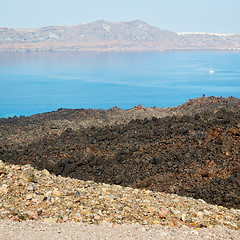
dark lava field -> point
(191, 150)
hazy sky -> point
(221, 16)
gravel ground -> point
(29, 194)
(16, 208)
(40, 230)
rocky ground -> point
(171, 167)
(21, 131)
(194, 155)
(114, 212)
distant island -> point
(111, 36)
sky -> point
(217, 16)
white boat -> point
(211, 70)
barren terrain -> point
(142, 173)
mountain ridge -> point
(103, 35)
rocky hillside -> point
(28, 194)
(110, 36)
(23, 130)
(192, 150)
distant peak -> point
(101, 21)
(134, 22)
(139, 22)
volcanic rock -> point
(191, 150)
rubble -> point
(54, 200)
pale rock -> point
(50, 220)
(38, 198)
(32, 214)
(183, 217)
(206, 212)
(97, 218)
(176, 213)
(49, 193)
(29, 196)
(31, 187)
(163, 212)
(45, 172)
(200, 214)
(3, 189)
(65, 218)
(28, 175)
(56, 192)
(78, 217)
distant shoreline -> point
(124, 51)
(105, 36)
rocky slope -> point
(23, 130)
(191, 150)
(110, 36)
(28, 194)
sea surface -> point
(33, 83)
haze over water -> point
(38, 82)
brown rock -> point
(171, 224)
(97, 218)
(234, 131)
(215, 134)
(2, 170)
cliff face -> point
(110, 36)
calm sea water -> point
(38, 82)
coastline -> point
(99, 51)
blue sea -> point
(33, 83)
